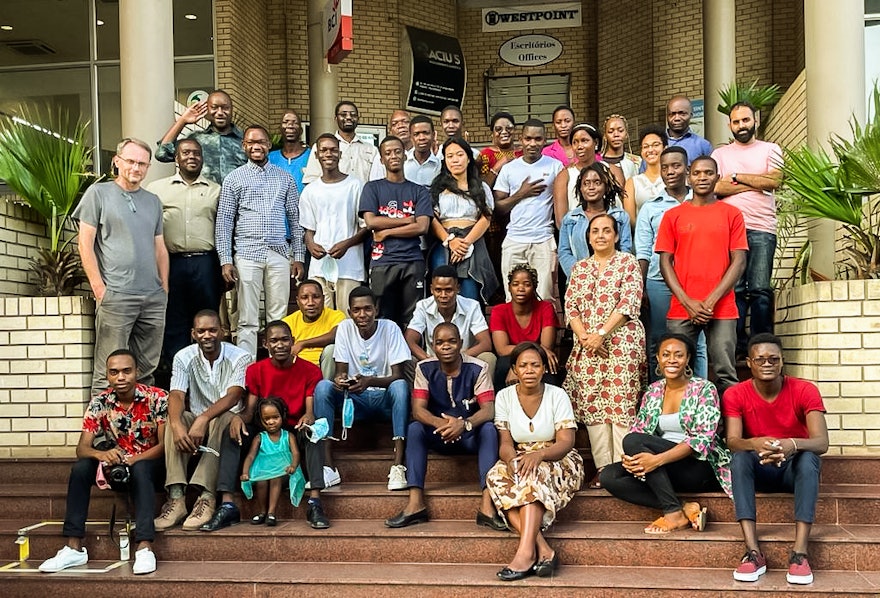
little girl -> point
(272, 457)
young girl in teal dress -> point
(273, 457)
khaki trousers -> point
(606, 443)
(176, 462)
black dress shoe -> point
(508, 574)
(316, 517)
(546, 567)
(403, 520)
(225, 516)
(494, 523)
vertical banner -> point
(434, 65)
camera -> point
(117, 475)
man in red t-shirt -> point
(293, 380)
(702, 246)
(776, 431)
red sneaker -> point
(799, 570)
(753, 566)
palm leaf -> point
(759, 96)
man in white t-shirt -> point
(524, 189)
(750, 174)
(334, 235)
(370, 355)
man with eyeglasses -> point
(256, 200)
(776, 431)
(356, 156)
(123, 253)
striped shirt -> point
(254, 203)
(207, 383)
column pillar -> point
(146, 73)
(719, 64)
(834, 45)
(323, 91)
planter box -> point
(46, 348)
(831, 334)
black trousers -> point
(145, 478)
(658, 491)
(232, 455)
(398, 287)
(195, 283)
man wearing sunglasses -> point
(776, 431)
(124, 256)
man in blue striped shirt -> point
(255, 202)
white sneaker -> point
(331, 478)
(144, 562)
(64, 559)
(397, 478)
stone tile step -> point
(319, 580)
(371, 464)
(851, 547)
(838, 504)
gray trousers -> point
(135, 322)
(720, 344)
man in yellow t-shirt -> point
(314, 327)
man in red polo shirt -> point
(702, 246)
(293, 380)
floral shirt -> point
(699, 415)
(136, 429)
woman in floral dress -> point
(606, 368)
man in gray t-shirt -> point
(125, 259)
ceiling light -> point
(100, 22)
(6, 27)
(190, 17)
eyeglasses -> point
(132, 163)
(130, 200)
(772, 360)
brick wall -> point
(45, 373)
(21, 231)
(241, 59)
(831, 333)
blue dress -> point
(271, 462)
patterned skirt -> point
(553, 484)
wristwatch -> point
(733, 178)
(601, 332)
(468, 426)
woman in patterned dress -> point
(539, 470)
(606, 368)
(673, 445)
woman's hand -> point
(458, 248)
(643, 464)
(593, 344)
(527, 463)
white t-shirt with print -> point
(372, 356)
(531, 220)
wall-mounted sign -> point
(434, 65)
(544, 16)
(196, 96)
(338, 41)
(530, 50)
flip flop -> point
(696, 515)
(661, 527)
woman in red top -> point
(525, 318)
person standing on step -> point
(293, 153)
(208, 377)
(776, 430)
(130, 417)
(356, 155)
(453, 406)
(370, 356)
(293, 380)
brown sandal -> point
(696, 515)
(661, 527)
(595, 484)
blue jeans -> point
(482, 440)
(388, 403)
(754, 290)
(799, 475)
(659, 297)
(468, 287)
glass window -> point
(109, 115)
(43, 31)
(527, 97)
(190, 76)
(193, 27)
(107, 30)
(68, 88)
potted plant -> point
(45, 160)
(759, 96)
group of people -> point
(657, 246)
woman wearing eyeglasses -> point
(673, 446)
(649, 184)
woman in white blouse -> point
(539, 470)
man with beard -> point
(189, 211)
(221, 141)
(398, 125)
(208, 376)
(293, 154)
(255, 201)
(356, 156)
(749, 171)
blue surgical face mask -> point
(319, 430)
(347, 415)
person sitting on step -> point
(453, 405)
(776, 430)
